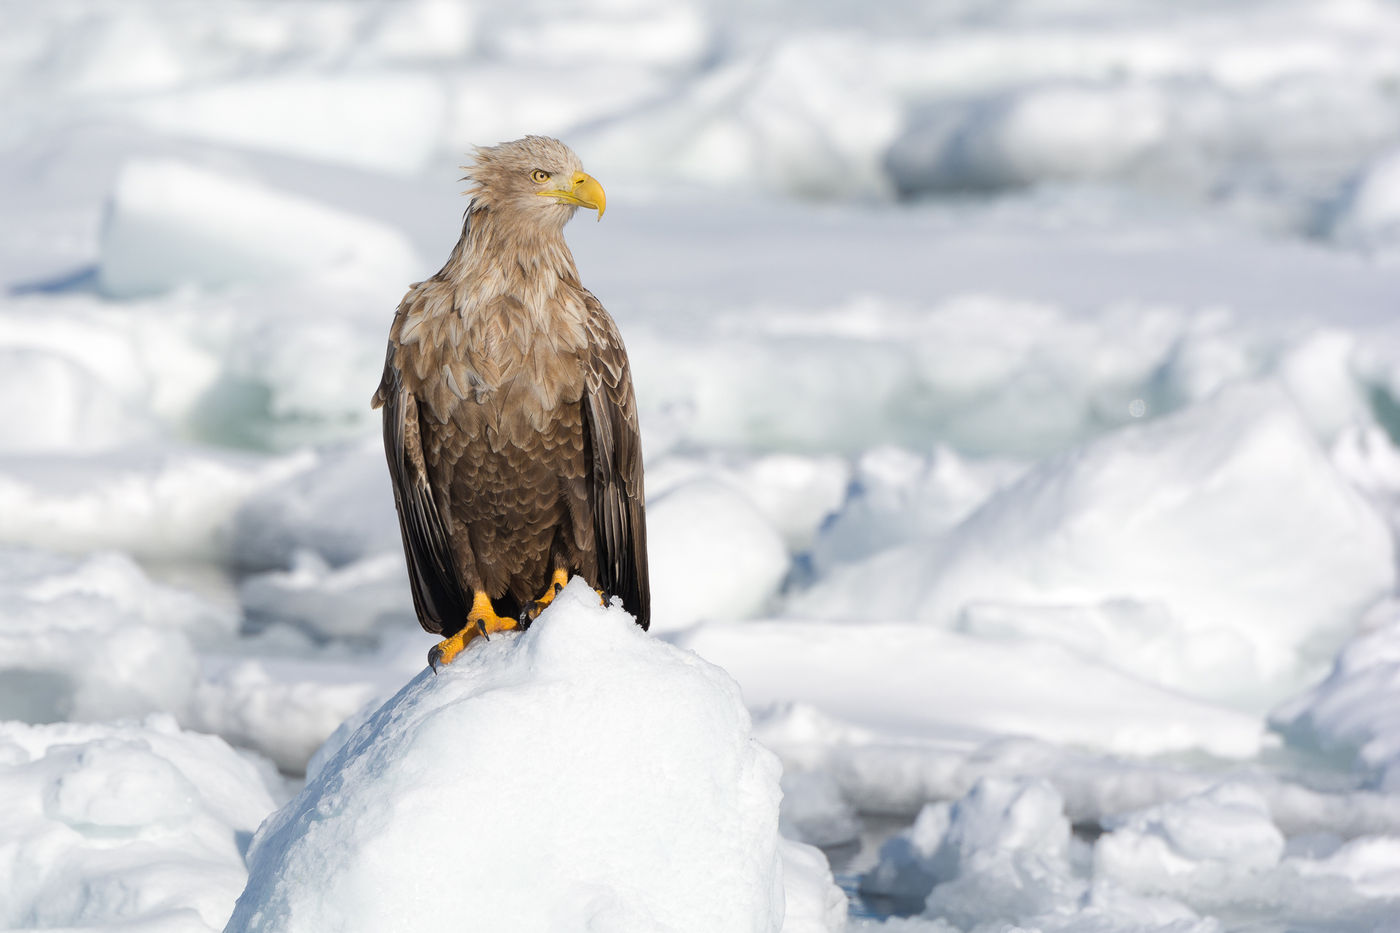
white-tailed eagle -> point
(510, 423)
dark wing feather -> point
(438, 594)
(615, 489)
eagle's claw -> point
(556, 586)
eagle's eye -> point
(539, 176)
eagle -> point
(510, 421)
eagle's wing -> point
(614, 448)
(437, 591)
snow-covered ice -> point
(1020, 392)
(579, 776)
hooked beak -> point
(583, 190)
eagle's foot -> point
(556, 585)
(481, 621)
(446, 650)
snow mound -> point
(170, 223)
(583, 775)
(133, 823)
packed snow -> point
(581, 776)
(1020, 394)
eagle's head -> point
(535, 180)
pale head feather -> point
(501, 179)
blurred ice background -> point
(1020, 387)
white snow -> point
(1020, 393)
(592, 775)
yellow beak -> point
(583, 189)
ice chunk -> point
(1184, 513)
(673, 33)
(388, 121)
(913, 680)
(279, 708)
(814, 811)
(713, 555)
(164, 502)
(897, 495)
(593, 774)
(93, 378)
(804, 119)
(307, 511)
(1003, 851)
(345, 602)
(96, 639)
(1371, 864)
(424, 29)
(906, 868)
(812, 902)
(1354, 709)
(1045, 132)
(68, 407)
(1369, 211)
(172, 223)
(998, 819)
(1210, 840)
(797, 493)
(134, 823)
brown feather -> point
(510, 422)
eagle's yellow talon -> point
(481, 621)
(557, 583)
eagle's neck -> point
(499, 259)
